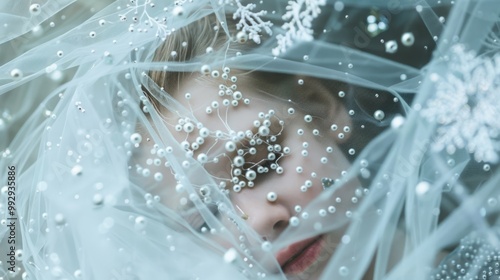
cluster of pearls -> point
(376, 23)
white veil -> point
(96, 165)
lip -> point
(297, 257)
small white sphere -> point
(272, 196)
(264, 130)
(294, 221)
(230, 146)
(238, 161)
(379, 115)
(408, 39)
(35, 9)
(242, 37)
(202, 158)
(250, 175)
(391, 46)
(16, 73)
(205, 69)
(188, 127)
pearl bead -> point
(35, 9)
(238, 161)
(379, 115)
(158, 176)
(264, 130)
(135, 138)
(59, 219)
(185, 145)
(230, 146)
(266, 246)
(241, 37)
(202, 158)
(178, 11)
(237, 172)
(279, 170)
(294, 221)
(16, 73)
(272, 196)
(237, 95)
(188, 127)
(205, 69)
(391, 46)
(204, 132)
(408, 39)
(250, 175)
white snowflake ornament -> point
(467, 105)
(298, 23)
(250, 22)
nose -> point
(268, 219)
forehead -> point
(214, 103)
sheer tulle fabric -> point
(108, 189)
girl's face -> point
(274, 156)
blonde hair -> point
(185, 44)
